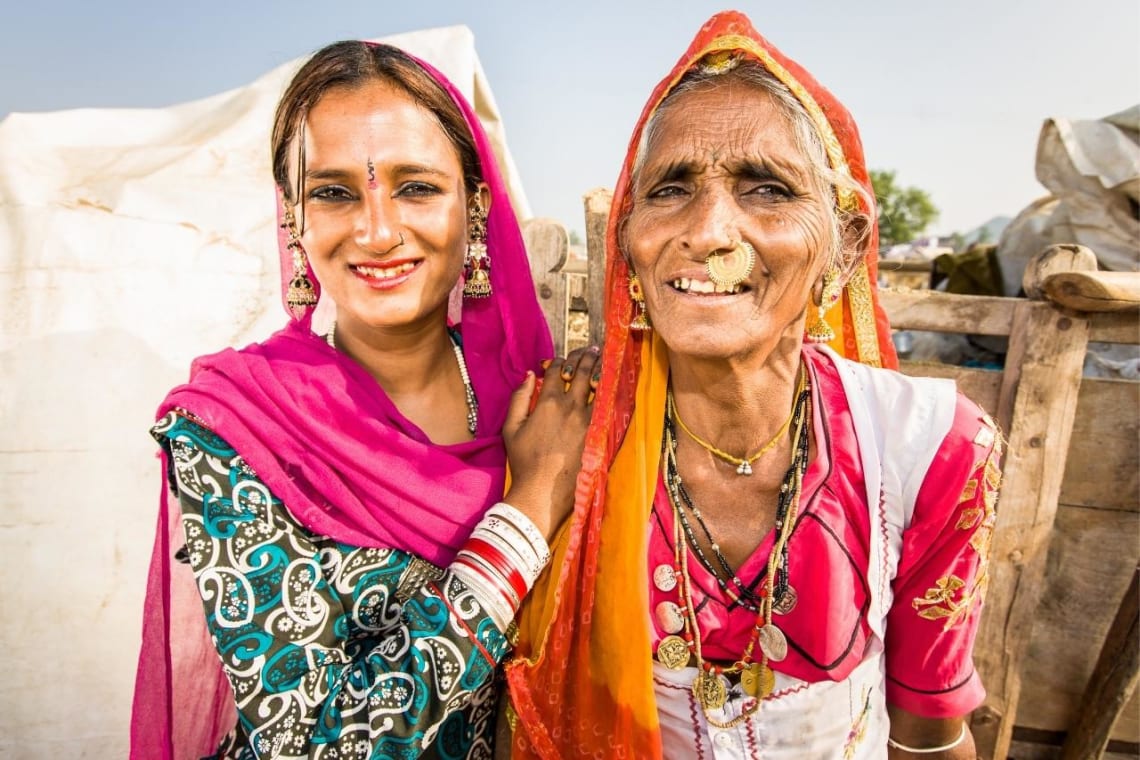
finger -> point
(519, 407)
(583, 380)
(553, 375)
(573, 361)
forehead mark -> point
(371, 174)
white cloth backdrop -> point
(130, 242)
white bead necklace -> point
(468, 390)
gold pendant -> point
(733, 267)
(673, 652)
(758, 680)
(709, 690)
(773, 642)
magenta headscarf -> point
(322, 435)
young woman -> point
(343, 518)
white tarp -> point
(130, 242)
(1092, 171)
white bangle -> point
(929, 750)
(524, 525)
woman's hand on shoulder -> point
(544, 442)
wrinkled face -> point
(723, 166)
(380, 169)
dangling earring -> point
(477, 264)
(640, 321)
(301, 294)
(820, 331)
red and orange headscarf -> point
(582, 683)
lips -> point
(704, 287)
(387, 274)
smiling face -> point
(723, 165)
(379, 169)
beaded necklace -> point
(739, 592)
(468, 389)
(674, 651)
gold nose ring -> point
(732, 267)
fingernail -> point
(546, 363)
(595, 350)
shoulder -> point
(886, 391)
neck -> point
(402, 360)
(740, 402)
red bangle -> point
(491, 577)
(496, 559)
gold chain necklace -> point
(743, 465)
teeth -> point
(379, 273)
(685, 285)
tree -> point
(904, 212)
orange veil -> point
(581, 683)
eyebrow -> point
(400, 170)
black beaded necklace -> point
(682, 502)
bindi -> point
(371, 175)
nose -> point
(378, 225)
(712, 224)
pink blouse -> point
(941, 576)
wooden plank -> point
(1113, 681)
(597, 204)
(1037, 406)
(1103, 470)
(948, 312)
(1092, 553)
(1116, 327)
(548, 245)
(1094, 291)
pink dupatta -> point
(322, 435)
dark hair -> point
(351, 64)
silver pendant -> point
(773, 642)
(664, 578)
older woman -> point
(778, 550)
(341, 522)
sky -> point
(950, 95)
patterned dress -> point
(332, 651)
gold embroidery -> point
(939, 602)
(971, 489)
(969, 518)
(863, 315)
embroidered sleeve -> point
(943, 573)
(326, 645)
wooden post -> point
(548, 245)
(1112, 682)
(1036, 407)
(597, 204)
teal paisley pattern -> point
(323, 660)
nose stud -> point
(732, 267)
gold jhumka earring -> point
(820, 331)
(732, 267)
(640, 321)
(477, 265)
(301, 294)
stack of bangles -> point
(501, 561)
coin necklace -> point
(756, 677)
(468, 389)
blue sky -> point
(951, 95)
